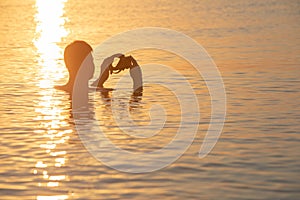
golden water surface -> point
(255, 45)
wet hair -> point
(74, 55)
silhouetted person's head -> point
(74, 55)
(77, 56)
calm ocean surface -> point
(256, 46)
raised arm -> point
(137, 77)
(105, 67)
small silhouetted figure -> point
(125, 63)
(77, 56)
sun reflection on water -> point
(50, 31)
(53, 124)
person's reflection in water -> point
(106, 97)
(134, 102)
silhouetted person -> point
(80, 64)
(124, 63)
(78, 55)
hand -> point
(109, 60)
(134, 62)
